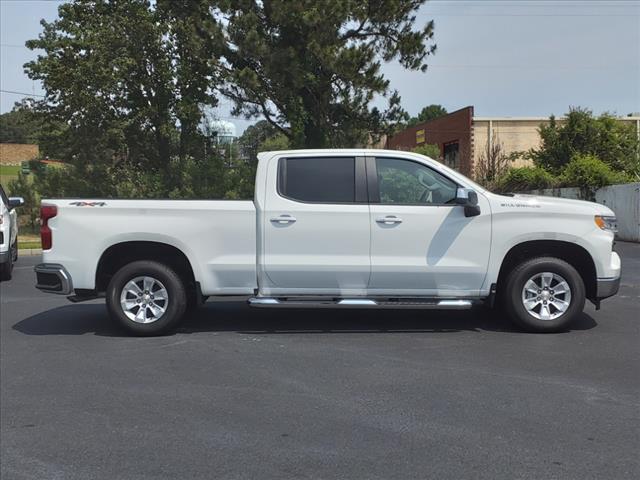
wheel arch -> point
(123, 253)
(577, 256)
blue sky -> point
(504, 57)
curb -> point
(29, 252)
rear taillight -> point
(46, 212)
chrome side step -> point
(330, 302)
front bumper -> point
(53, 278)
(607, 287)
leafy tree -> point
(277, 142)
(604, 137)
(129, 80)
(27, 123)
(22, 187)
(312, 67)
(428, 113)
(21, 124)
(590, 173)
(253, 137)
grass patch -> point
(10, 170)
(29, 240)
(8, 173)
(27, 245)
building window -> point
(451, 155)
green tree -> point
(312, 67)
(28, 123)
(276, 142)
(130, 80)
(23, 187)
(590, 173)
(253, 137)
(580, 133)
(428, 113)
(21, 124)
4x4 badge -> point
(88, 204)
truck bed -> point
(218, 237)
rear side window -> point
(318, 180)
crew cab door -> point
(315, 223)
(421, 242)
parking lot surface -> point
(244, 393)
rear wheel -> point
(544, 294)
(147, 298)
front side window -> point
(318, 180)
(411, 183)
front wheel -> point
(147, 298)
(6, 268)
(544, 294)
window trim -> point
(374, 186)
(361, 196)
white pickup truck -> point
(8, 233)
(335, 228)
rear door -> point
(316, 226)
(421, 242)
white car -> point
(335, 228)
(8, 233)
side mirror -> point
(15, 202)
(468, 198)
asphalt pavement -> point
(258, 394)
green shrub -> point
(589, 173)
(428, 150)
(521, 179)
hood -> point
(553, 204)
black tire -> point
(15, 251)
(6, 268)
(176, 294)
(513, 295)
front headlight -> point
(608, 224)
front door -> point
(316, 227)
(421, 242)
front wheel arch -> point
(575, 255)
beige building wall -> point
(514, 135)
(517, 134)
(14, 153)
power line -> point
(24, 94)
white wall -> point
(624, 200)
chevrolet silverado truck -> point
(335, 229)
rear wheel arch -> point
(120, 254)
(575, 255)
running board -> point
(434, 304)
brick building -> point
(462, 137)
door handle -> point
(389, 220)
(283, 219)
